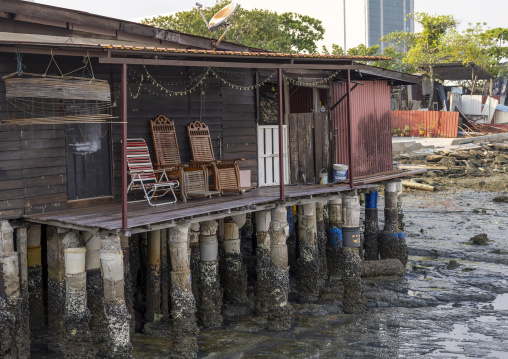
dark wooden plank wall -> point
(203, 104)
(32, 158)
(239, 121)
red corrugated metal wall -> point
(436, 123)
(371, 127)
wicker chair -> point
(226, 174)
(155, 184)
(193, 177)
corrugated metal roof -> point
(263, 54)
(240, 53)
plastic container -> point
(323, 176)
(208, 246)
(34, 256)
(351, 237)
(339, 172)
(112, 265)
(74, 260)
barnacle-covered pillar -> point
(334, 237)
(308, 262)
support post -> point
(351, 264)
(263, 219)
(183, 306)
(400, 213)
(35, 287)
(94, 286)
(349, 130)
(334, 237)
(165, 282)
(195, 258)
(78, 343)
(128, 293)
(371, 227)
(321, 240)
(115, 310)
(124, 146)
(153, 277)
(56, 287)
(392, 241)
(210, 303)
(23, 326)
(281, 134)
(308, 262)
(10, 301)
(236, 276)
(279, 309)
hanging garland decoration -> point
(242, 88)
(145, 77)
(310, 84)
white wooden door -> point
(268, 155)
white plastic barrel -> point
(74, 260)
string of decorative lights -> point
(242, 88)
(310, 84)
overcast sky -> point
(493, 12)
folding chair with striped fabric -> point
(143, 175)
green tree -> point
(263, 29)
(425, 49)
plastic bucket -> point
(208, 246)
(74, 260)
(323, 177)
(339, 172)
(351, 237)
(112, 265)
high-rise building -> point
(369, 20)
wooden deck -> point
(142, 217)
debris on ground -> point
(479, 239)
(453, 264)
(501, 199)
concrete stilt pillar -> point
(392, 242)
(351, 263)
(136, 274)
(10, 294)
(183, 306)
(263, 219)
(56, 287)
(321, 239)
(94, 286)
(78, 343)
(279, 309)
(35, 287)
(334, 237)
(210, 302)
(308, 262)
(128, 291)
(371, 227)
(23, 327)
(195, 258)
(153, 277)
(236, 275)
(115, 310)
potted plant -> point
(395, 132)
(406, 131)
(421, 129)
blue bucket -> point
(339, 172)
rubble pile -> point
(478, 161)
